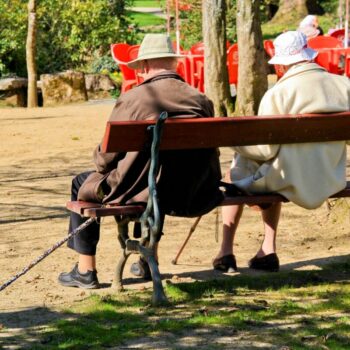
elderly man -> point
(307, 174)
(188, 181)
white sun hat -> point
(153, 46)
(308, 21)
(291, 47)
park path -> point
(42, 150)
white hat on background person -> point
(291, 47)
(154, 46)
(308, 21)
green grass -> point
(272, 30)
(298, 309)
(148, 3)
(145, 19)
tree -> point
(70, 34)
(30, 54)
(252, 77)
(215, 69)
(13, 31)
(291, 10)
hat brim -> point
(306, 54)
(135, 64)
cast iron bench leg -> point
(158, 296)
(123, 236)
(151, 223)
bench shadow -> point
(21, 329)
(31, 317)
(303, 265)
(207, 275)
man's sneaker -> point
(74, 278)
(141, 269)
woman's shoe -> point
(226, 263)
(268, 262)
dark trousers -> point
(85, 242)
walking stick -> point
(47, 253)
(192, 229)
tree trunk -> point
(252, 75)
(30, 53)
(215, 69)
(291, 11)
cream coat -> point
(308, 173)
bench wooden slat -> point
(232, 131)
(96, 210)
(90, 209)
(78, 207)
(114, 210)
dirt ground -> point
(41, 150)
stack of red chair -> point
(120, 53)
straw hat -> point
(291, 47)
(153, 46)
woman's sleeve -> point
(261, 152)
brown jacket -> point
(188, 180)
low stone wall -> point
(63, 88)
(13, 91)
(98, 86)
(60, 88)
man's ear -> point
(145, 67)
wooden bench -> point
(176, 134)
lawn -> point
(149, 3)
(145, 19)
(285, 310)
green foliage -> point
(330, 6)
(231, 32)
(13, 26)
(79, 30)
(103, 64)
(191, 24)
(69, 32)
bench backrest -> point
(181, 133)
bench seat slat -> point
(89, 209)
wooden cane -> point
(192, 229)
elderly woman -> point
(306, 173)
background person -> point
(307, 173)
(310, 27)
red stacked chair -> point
(324, 42)
(327, 57)
(132, 53)
(232, 64)
(197, 49)
(338, 34)
(120, 55)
